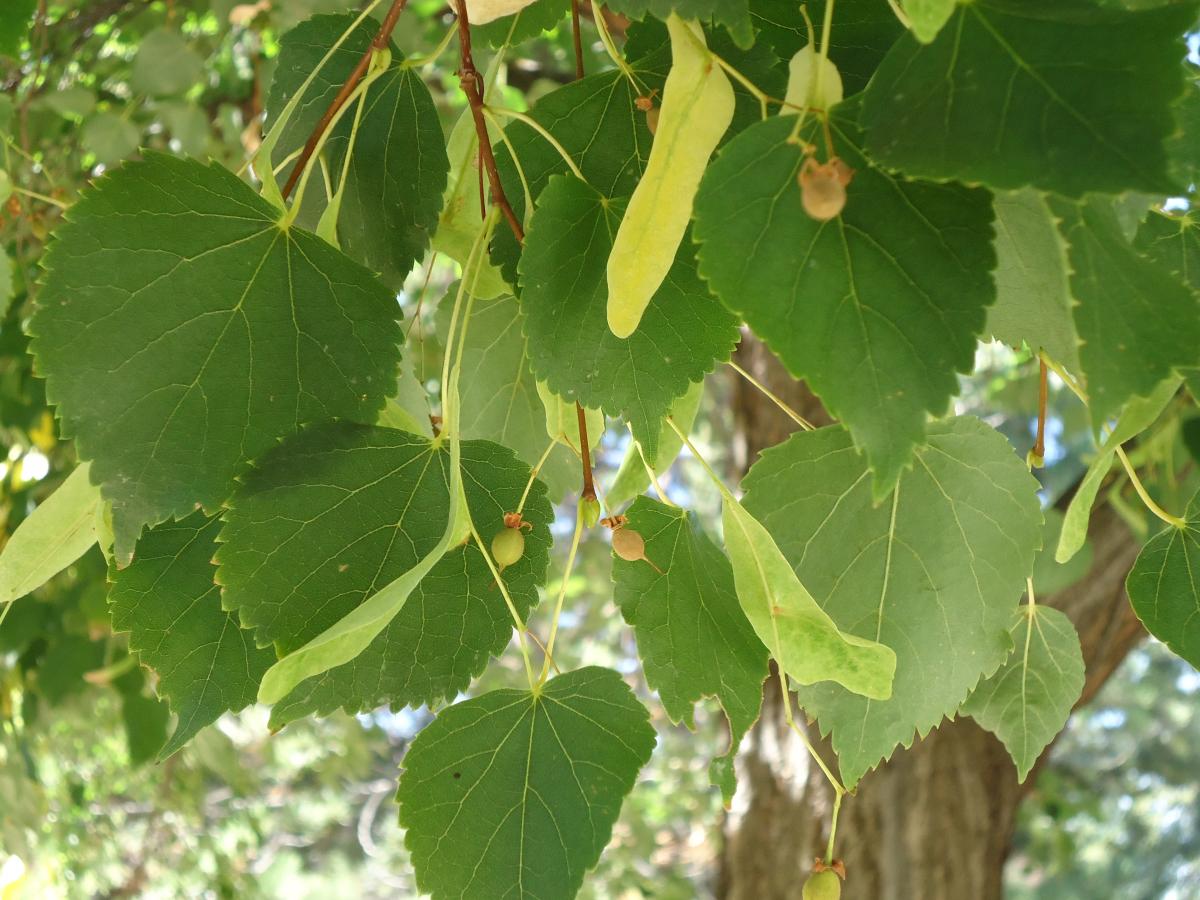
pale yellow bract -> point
(696, 110)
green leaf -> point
(76, 101)
(171, 607)
(1164, 588)
(562, 420)
(1049, 575)
(683, 334)
(530, 22)
(15, 18)
(1138, 415)
(182, 331)
(863, 32)
(1033, 298)
(59, 531)
(146, 718)
(1136, 322)
(631, 478)
(165, 64)
(733, 14)
(110, 138)
(693, 638)
(455, 619)
(498, 395)
(877, 309)
(1070, 96)
(335, 515)
(515, 794)
(927, 17)
(802, 637)
(1027, 701)
(935, 573)
(398, 166)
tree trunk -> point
(936, 821)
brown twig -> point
(472, 85)
(380, 41)
(1039, 444)
(589, 489)
(577, 38)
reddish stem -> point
(589, 489)
(1039, 444)
(577, 38)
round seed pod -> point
(823, 885)
(822, 193)
(628, 544)
(508, 546)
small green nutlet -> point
(508, 546)
(823, 885)
(591, 512)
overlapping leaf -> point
(632, 478)
(693, 638)
(733, 14)
(1164, 586)
(1033, 297)
(683, 333)
(182, 331)
(877, 309)
(935, 572)
(1071, 96)
(515, 794)
(398, 166)
(1136, 322)
(339, 512)
(1027, 702)
(168, 602)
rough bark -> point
(936, 821)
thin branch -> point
(577, 38)
(472, 85)
(378, 43)
(1039, 444)
(589, 488)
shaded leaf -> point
(165, 64)
(733, 14)
(631, 478)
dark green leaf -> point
(15, 19)
(182, 331)
(1068, 96)
(877, 309)
(171, 607)
(1164, 586)
(515, 794)
(733, 14)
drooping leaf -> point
(182, 331)
(733, 14)
(165, 64)
(515, 793)
(1135, 321)
(863, 32)
(171, 607)
(926, 17)
(562, 420)
(110, 137)
(341, 511)
(1164, 586)
(879, 308)
(1049, 575)
(935, 572)
(1027, 701)
(1137, 416)
(398, 167)
(683, 334)
(631, 478)
(802, 637)
(693, 638)
(1033, 297)
(456, 619)
(146, 718)
(59, 531)
(1071, 96)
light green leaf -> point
(1136, 322)
(877, 309)
(515, 794)
(1027, 702)
(1071, 96)
(343, 515)
(1049, 575)
(188, 124)
(928, 16)
(683, 334)
(562, 420)
(498, 395)
(803, 639)
(76, 100)
(456, 618)
(59, 531)
(1033, 297)
(693, 638)
(530, 22)
(1164, 588)
(110, 138)
(168, 602)
(182, 331)
(631, 478)
(165, 64)
(398, 167)
(935, 573)
(1139, 415)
